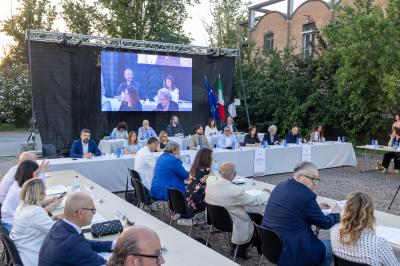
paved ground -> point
(335, 183)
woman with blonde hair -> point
(354, 238)
(163, 138)
(31, 221)
(131, 145)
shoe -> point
(243, 255)
(384, 171)
(184, 222)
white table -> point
(371, 150)
(180, 249)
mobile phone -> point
(62, 195)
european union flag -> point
(212, 100)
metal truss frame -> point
(117, 43)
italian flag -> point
(221, 103)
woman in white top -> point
(318, 134)
(31, 222)
(354, 238)
(211, 128)
(171, 87)
(396, 122)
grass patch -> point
(12, 127)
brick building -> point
(295, 28)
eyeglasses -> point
(315, 180)
(93, 210)
(157, 257)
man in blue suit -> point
(66, 245)
(84, 147)
(291, 210)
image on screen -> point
(145, 83)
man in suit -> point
(84, 147)
(270, 137)
(198, 140)
(65, 243)
(137, 245)
(291, 210)
(226, 140)
(175, 129)
(222, 192)
(293, 135)
(166, 103)
(230, 124)
(145, 161)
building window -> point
(269, 41)
(308, 39)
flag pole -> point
(242, 86)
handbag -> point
(106, 228)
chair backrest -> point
(49, 151)
(106, 106)
(271, 243)
(142, 193)
(342, 262)
(177, 203)
(134, 175)
(219, 217)
(11, 253)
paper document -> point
(254, 192)
(97, 218)
(239, 181)
(389, 233)
(340, 203)
(54, 190)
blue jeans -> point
(328, 260)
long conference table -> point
(180, 249)
(111, 172)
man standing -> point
(65, 244)
(145, 132)
(226, 140)
(175, 129)
(128, 76)
(84, 147)
(145, 162)
(198, 140)
(291, 210)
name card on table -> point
(259, 162)
(306, 153)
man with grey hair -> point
(270, 137)
(222, 192)
(166, 103)
(227, 140)
(290, 212)
(137, 246)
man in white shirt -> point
(226, 140)
(9, 177)
(145, 162)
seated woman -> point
(211, 128)
(387, 157)
(163, 138)
(270, 137)
(131, 100)
(131, 145)
(317, 135)
(171, 87)
(168, 172)
(396, 122)
(196, 187)
(25, 171)
(354, 238)
(120, 131)
(31, 222)
(251, 139)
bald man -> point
(9, 177)
(137, 246)
(65, 244)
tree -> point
(225, 30)
(79, 16)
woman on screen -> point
(131, 100)
(170, 86)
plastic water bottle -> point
(343, 140)
(338, 139)
(234, 144)
(264, 144)
(372, 142)
(118, 152)
(298, 141)
(376, 142)
(76, 186)
(215, 167)
(310, 141)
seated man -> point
(9, 177)
(226, 140)
(198, 140)
(166, 102)
(145, 161)
(84, 147)
(222, 192)
(145, 132)
(387, 157)
(230, 124)
(65, 244)
(175, 129)
(137, 245)
(270, 137)
(293, 136)
(291, 210)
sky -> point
(193, 26)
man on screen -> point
(166, 103)
(128, 76)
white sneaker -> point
(384, 171)
(185, 222)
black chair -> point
(218, 217)
(143, 195)
(338, 261)
(131, 196)
(10, 253)
(271, 244)
(49, 151)
(178, 205)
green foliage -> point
(79, 16)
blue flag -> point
(212, 100)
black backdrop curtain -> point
(67, 97)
